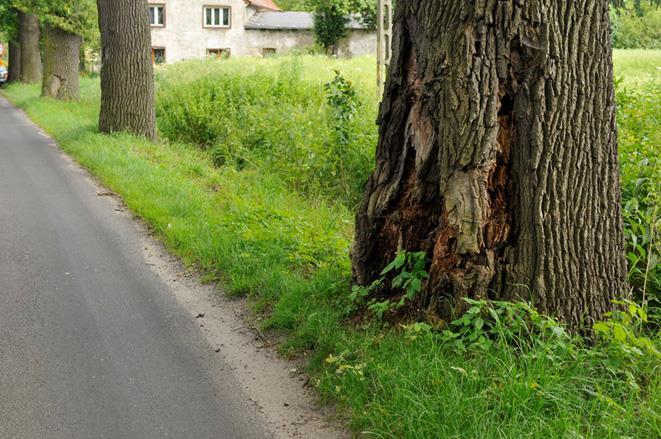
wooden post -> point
(384, 40)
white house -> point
(188, 29)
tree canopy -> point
(332, 16)
(73, 16)
(8, 20)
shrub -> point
(637, 25)
(332, 16)
(330, 23)
(275, 121)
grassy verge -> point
(262, 203)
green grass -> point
(271, 115)
(637, 67)
(252, 206)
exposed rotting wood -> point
(498, 156)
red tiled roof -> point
(264, 4)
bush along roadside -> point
(246, 197)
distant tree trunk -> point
(498, 157)
(82, 67)
(30, 51)
(127, 76)
(14, 61)
(61, 62)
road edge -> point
(277, 387)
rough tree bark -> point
(498, 157)
(30, 51)
(127, 77)
(61, 62)
(14, 61)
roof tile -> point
(291, 20)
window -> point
(217, 16)
(218, 53)
(158, 55)
(268, 51)
(157, 15)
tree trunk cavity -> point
(30, 51)
(498, 157)
(127, 78)
(14, 61)
(61, 62)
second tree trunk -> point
(30, 51)
(14, 61)
(127, 74)
(61, 62)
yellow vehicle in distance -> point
(4, 73)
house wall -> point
(359, 42)
(281, 40)
(184, 36)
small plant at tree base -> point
(624, 330)
(410, 269)
(516, 324)
(623, 347)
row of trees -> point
(45, 44)
(56, 26)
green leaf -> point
(416, 286)
(398, 262)
(494, 314)
(601, 327)
(619, 333)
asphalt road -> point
(92, 345)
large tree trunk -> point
(127, 77)
(61, 62)
(498, 157)
(30, 51)
(14, 61)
